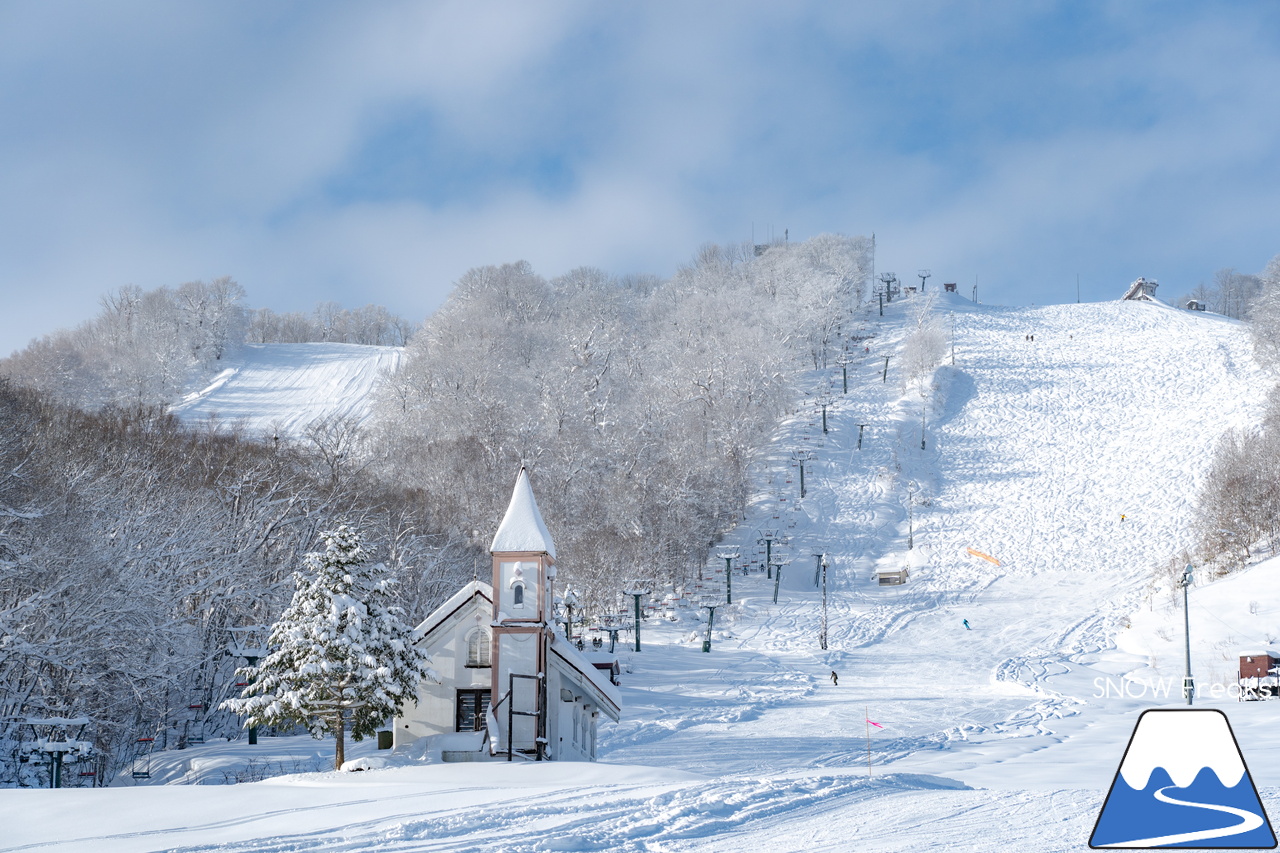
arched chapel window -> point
(478, 648)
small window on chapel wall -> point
(478, 648)
(517, 594)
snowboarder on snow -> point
(835, 679)
(966, 625)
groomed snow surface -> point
(1001, 736)
(279, 389)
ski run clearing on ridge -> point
(1001, 736)
(277, 389)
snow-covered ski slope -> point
(278, 389)
(1001, 736)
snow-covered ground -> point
(1001, 736)
(278, 389)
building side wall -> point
(572, 717)
(433, 711)
(517, 654)
(1259, 667)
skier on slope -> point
(966, 625)
(835, 679)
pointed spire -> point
(522, 528)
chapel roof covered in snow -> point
(456, 602)
(522, 528)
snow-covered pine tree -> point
(341, 656)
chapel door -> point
(472, 710)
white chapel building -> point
(507, 684)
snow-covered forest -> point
(1240, 502)
(638, 403)
(145, 347)
(131, 543)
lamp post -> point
(1188, 683)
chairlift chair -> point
(147, 744)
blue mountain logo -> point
(1183, 783)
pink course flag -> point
(874, 723)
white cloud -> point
(156, 144)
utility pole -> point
(911, 535)
(1188, 683)
(953, 338)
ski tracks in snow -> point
(1066, 458)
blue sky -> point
(373, 152)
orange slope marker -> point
(990, 559)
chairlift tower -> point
(637, 590)
(710, 606)
(801, 457)
(888, 279)
(250, 643)
(767, 538)
(924, 276)
(728, 555)
(58, 744)
(822, 637)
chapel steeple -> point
(523, 576)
